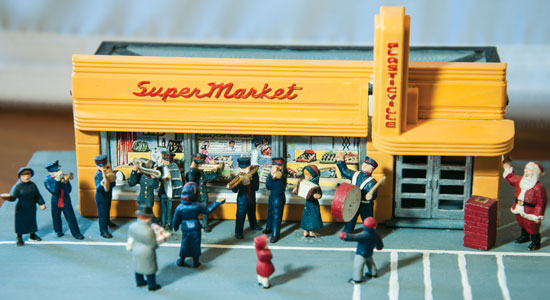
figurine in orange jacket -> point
(530, 202)
(264, 267)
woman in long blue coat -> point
(187, 215)
(311, 216)
(25, 210)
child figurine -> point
(530, 202)
(311, 216)
(25, 210)
(143, 243)
(59, 186)
(264, 267)
(366, 242)
(276, 183)
(187, 214)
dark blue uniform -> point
(61, 191)
(367, 240)
(147, 185)
(187, 214)
(25, 209)
(246, 204)
(365, 182)
(276, 204)
(201, 179)
(311, 216)
(103, 201)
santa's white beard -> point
(528, 182)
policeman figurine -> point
(59, 186)
(104, 183)
(246, 198)
(201, 178)
(276, 183)
(364, 180)
(170, 188)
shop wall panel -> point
(86, 137)
(486, 186)
(487, 166)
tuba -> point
(235, 181)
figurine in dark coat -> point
(201, 178)
(104, 183)
(25, 210)
(143, 243)
(264, 266)
(147, 184)
(366, 242)
(170, 188)
(276, 183)
(187, 215)
(364, 180)
(246, 198)
(60, 188)
(311, 215)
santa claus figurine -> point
(530, 202)
(264, 267)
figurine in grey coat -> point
(143, 244)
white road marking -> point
(393, 290)
(427, 277)
(466, 289)
(501, 274)
(356, 292)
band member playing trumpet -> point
(276, 183)
(364, 180)
(59, 186)
(246, 197)
(201, 178)
(147, 181)
(104, 183)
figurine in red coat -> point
(264, 267)
(530, 202)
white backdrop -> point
(38, 37)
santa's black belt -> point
(525, 203)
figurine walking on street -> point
(366, 242)
(264, 266)
(28, 196)
(276, 184)
(59, 186)
(530, 202)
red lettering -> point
(390, 124)
(170, 92)
(152, 93)
(278, 93)
(264, 93)
(388, 111)
(392, 60)
(143, 89)
(391, 89)
(393, 45)
(185, 92)
(291, 89)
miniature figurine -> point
(276, 183)
(230, 147)
(201, 178)
(265, 150)
(530, 202)
(255, 155)
(366, 242)
(148, 180)
(25, 210)
(170, 188)
(245, 185)
(366, 183)
(59, 186)
(264, 267)
(105, 180)
(204, 150)
(310, 190)
(143, 243)
(187, 215)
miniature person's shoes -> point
(140, 284)
(264, 286)
(154, 288)
(522, 239)
(60, 234)
(106, 235)
(274, 239)
(20, 242)
(257, 227)
(78, 236)
(207, 229)
(34, 237)
(369, 275)
(238, 236)
(266, 231)
(180, 262)
(354, 281)
(196, 264)
(112, 225)
(533, 246)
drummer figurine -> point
(364, 180)
(170, 188)
(201, 178)
(276, 183)
(366, 242)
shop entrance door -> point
(432, 187)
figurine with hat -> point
(28, 196)
(187, 215)
(148, 182)
(60, 188)
(171, 185)
(143, 243)
(366, 183)
(311, 215)
(530, 202)
(264, 266)
(276, 184)
(201, 178)
(104, 184)
(367, 240)
(246, 197)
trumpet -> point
(66, 177)
(140, 163)
(235, 181)
(108, 177)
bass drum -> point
(345, 204)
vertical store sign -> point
(391, 60)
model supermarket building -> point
(434, 123)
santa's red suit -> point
(530, 203)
